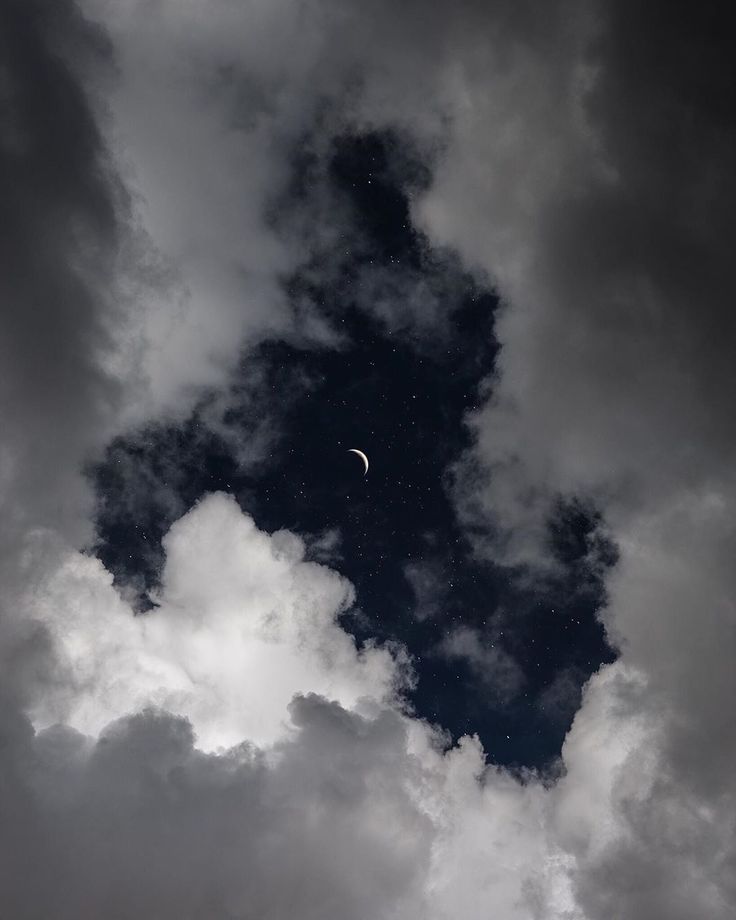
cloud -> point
(493, 666)
(59, 239)
(427, 583)
(326, 827)
(611, 379)
(325, 546)
(560, 699)
(197, 135)
(338, 803)
(585, 195)
(242, 624)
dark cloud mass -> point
(57, 245)
(143, 824)
(488, 243)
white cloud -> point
(357, 797)
(335, 807)
(242, 624)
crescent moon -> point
(354, 450)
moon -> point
(354, 450)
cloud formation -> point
(609, 238)
(242, 624)
(61, 231)
(582, 159)
(236, 739)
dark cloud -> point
(140, 823)
(58, 244)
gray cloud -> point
(609, 235)
(58, 243)
(560, 699)
(140, 823)
(428, 584)
(493, 666)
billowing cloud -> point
(334, 803)
(141, 823)
(242, 624)
(354, 801)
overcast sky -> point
(489, 244)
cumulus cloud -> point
(185, 761)
(242, 624)
(156, 828)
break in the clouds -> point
(234, 751)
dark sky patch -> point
(487, 651)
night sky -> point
(404, 403)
